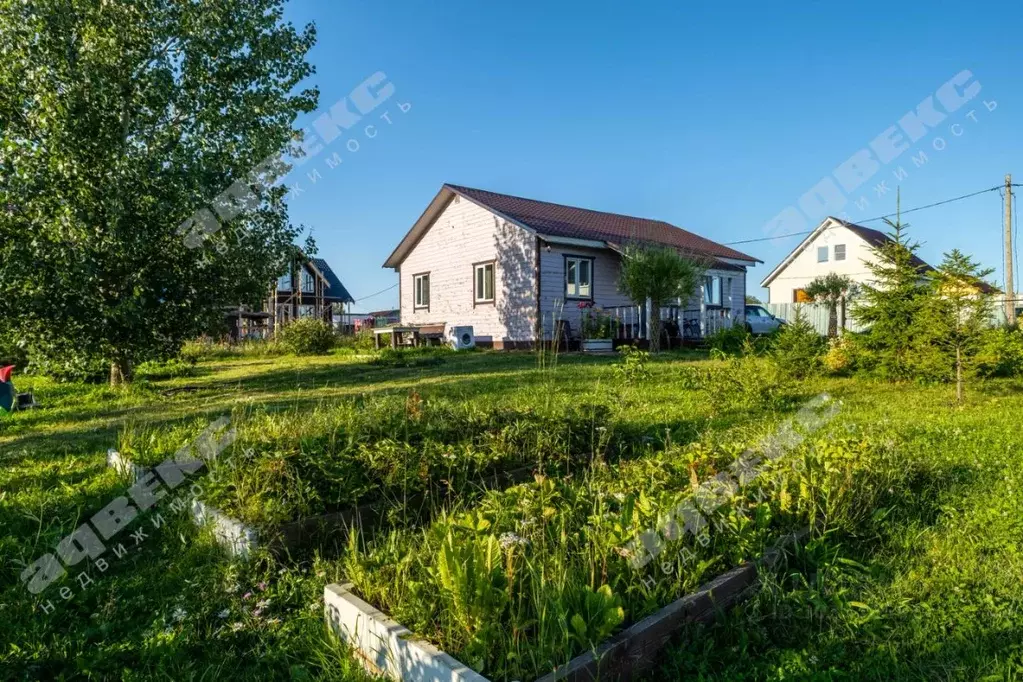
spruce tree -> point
(956, 314)
(891, 301)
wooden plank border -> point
(635, 650)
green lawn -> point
(917, 574)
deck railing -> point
(630, 321)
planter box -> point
(598, 345)
(240, 539)
(388, 648)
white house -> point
(509, 266)
(834, 246)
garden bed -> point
(401, 452)
(388, 648)
(526, 579)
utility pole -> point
(1010, 294)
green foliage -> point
(205, 349)
(890, 304)
(831, 290)
(659, 274)
(954, 319)
(1000, 353)
(306, 336)
(913, 571)
(632, 365)
(423, 356)
(360, 342)
(119, 121)
(597, 324)
(730, 340)
(797, 349)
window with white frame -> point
(578, 277)
(308, 282)
(839, 251)
(822, 254)
(305, 311)
(711, 290)
(284, 282)
(483, 283)
(421, 287)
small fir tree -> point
(957, 314)
(890, 303)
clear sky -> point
(712, 116)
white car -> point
(760, 321)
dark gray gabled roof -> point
(335, 289)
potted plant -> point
(597, 328)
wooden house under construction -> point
(310, 289)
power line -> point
(870, 220)
(382, 291)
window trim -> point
(843, 252)
(475, 267)
(291, 282)
(565, 257)
(416, 305)
(826, 252)
(303, 274)
(721, 291)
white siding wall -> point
(463, 234)
(804, 268)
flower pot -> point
(598, 345)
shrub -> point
(730, 340)
(307, 336)
(361, 342)
(838, 360)
(798, 349)
(1000, 353)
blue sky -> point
(714, 117)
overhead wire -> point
(874, 219)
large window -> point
(711, 290)
(483, 282)
(578, 277)
(822, 254)
(284, 282)
(839, 251)
(421, 287)
(308, 282)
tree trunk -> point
(832, 320)
(120, 372)
(655, 326)
(841, 321)
(959, 376)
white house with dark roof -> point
(510, 266)
(834, 246)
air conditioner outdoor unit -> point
(462, 338)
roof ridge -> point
(574, 208)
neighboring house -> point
(510, 266)
(834, 246)
(309, 289)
